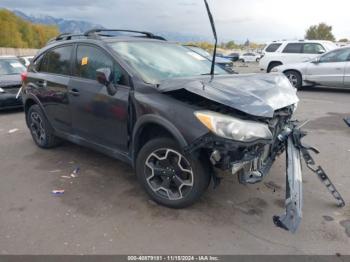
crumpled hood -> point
(254, 94)
(10, 80)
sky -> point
(257, 20)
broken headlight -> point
(234, 128)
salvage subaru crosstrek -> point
(156, 105)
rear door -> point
(330, 68)
(49, 82)
(292, 53)
(98, 116)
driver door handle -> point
(74, 92)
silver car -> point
(330, 69)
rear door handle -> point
(41, 83)
(74, 92)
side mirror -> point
(105, 77)
(321, 52)
(316, 60)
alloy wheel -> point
(169, 174)
(292, 79)
(36, 127)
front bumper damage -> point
(254, 163)
(296, 150)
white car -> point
(330, 69)
(288, 52)
(25, 60)
(249, 57)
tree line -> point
(18, 33)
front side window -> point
(312, 48)
(157, 61)
(57, 61)
(272, 48)
(340, 55)
(293, 48)
(89, 59)
(11, 67)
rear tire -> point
(272, 66)
(169, 177)
(40, 129)
(294, 78)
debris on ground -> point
(66, 177)
(13, 130)
(75, 173)
(55, 171)
(347, 121)
(58, 192)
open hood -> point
(254, 94)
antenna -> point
(212, 71)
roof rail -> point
(96, 32)
(65, 36)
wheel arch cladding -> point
(29, 102)
(153, 126)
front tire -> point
(169, 177)
(40, 128)
(294, 78)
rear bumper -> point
(8, 101)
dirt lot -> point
(104, 210)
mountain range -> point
(78, 27)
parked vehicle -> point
(288, 52)
(233, 57)
(331, 69)
(224, 63)
(10, 82)
(249, 57)
(174, 116)
(25, 60)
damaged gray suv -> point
(156, 105)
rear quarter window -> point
(272, 48)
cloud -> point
(258, 20)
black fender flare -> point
(37, 102)
(154, 119)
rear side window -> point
(313, 48)
(272, 48)
(90, 58)
(57, 61)
(293, 48)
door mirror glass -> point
(316, 60)
(105, 77)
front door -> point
(98, 116)
(329, 69)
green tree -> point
(18, 33)
(343, 40)
(321, 31)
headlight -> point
(2, 90)
(233, 128)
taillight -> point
(24, 76)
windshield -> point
(11, 67)
(200, 51)
(156, 61)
